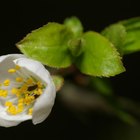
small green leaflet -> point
(125, 35)
(100, 57)
(132, 40)
(75, 25)
(49, 45)
(116, 33)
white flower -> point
(26, 90)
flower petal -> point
(11, 57)
(33, 66)
(44, 103)
(6, 62)
(6, 123)
(10, 120)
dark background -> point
(19, 17)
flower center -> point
(25, 88)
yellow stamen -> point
(17, 67)
(24, 88)
(15, 91)
(20, 108)
(28, 99)
(12, 110)
(39, 84)
(30, 112)
(19, 79)
(21, 100)
(3, 93)
(6, 82)
(38, 91)
(29, 81)
(26, 93)
(20, 105)
(12, 70)
(8, 104)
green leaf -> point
(132, 23)
(49, 45)
(75, 25)
(132, 40)
(58, 81)
(116, 33)
(125, 35)
(132, 43)
(100, 57)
